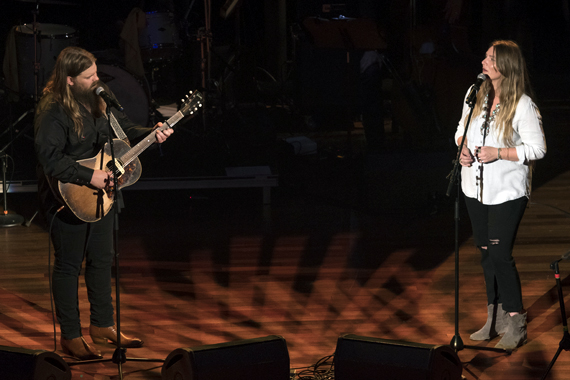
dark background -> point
(258, 97)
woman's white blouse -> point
(501, 180)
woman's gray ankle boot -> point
(516, 333)
(496, 323)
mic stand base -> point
(565, 342)
(119, 357)
(11, 220)
(457, 344)
(563, 345)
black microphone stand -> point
(565, 342)
(456, 342)
(8, 219)
(120, 353)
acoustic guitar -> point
(91, 204)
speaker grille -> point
(18, 363)
(264, 358)
(366, 358)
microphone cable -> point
(50, 279)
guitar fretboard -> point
(150, 139)
(189, 106)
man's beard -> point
(87, 97)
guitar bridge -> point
(117, 169)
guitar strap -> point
(118, 130)
(120, 135)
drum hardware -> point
(184, 23)
(160, 44)
(133, 91)
(159, 40)
(8, 219)
(46, 41)
(54, 2)
(205, 37)
(228, 8)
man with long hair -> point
(71, 125)
(503, 140)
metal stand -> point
(350, 35)
(565, 342)
(8, 219)
(205, 38)
(456, 342)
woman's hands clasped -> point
(486, 154)
(483, 154)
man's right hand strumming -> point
(102, 179)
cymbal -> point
(51, 2)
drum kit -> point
(37, 46)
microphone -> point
(480, 79)
(108, 98)
(554, 264)
(475, 89)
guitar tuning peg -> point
(190, 92)
(200, 105)
(191, 112)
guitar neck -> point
(150, 139)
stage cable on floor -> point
(49, 279)
(317, 372)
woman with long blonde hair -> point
(503, 141)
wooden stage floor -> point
(217, 266)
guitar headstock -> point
(191, 103)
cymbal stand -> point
(205, 38)
(8, 219)
(185, 23)
(36, 62)
(565, 342)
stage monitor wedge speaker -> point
(365, 358)
(264, 358)
(23, 364)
